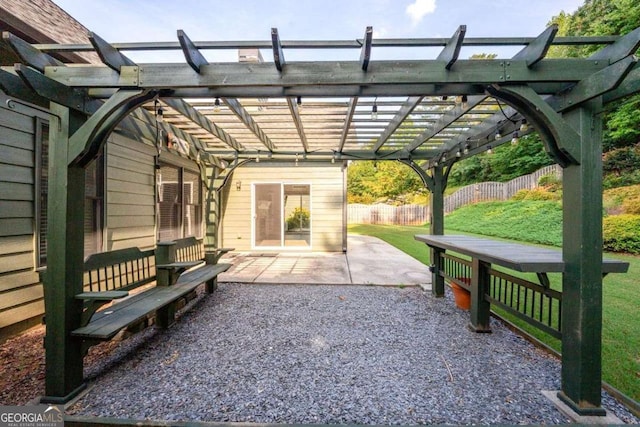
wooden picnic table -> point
(515, 256)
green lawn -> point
(621, 313)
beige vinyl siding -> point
(21, 294)
(130, 194)
(326, 181)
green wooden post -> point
(165, 254)
(582, 279)
(212, 215)
(480, 307)
(65, 251)
(437, 227)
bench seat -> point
(105, 324)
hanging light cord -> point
(505, 114)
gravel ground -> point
(328, 354)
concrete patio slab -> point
(368, 260)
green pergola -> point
(431, 113)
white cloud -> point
(419, 9)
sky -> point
(158, 20)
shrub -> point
(550, 182)
(536, 194)
(624, 179)
(298, 219)
(614, 198)
(621, 233)
(631, 206)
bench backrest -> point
(189, 249)
(122, 269)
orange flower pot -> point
(461, 296)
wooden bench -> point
(178, 268)
(535, 303)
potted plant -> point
(461, 296)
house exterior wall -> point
(130, 194)
(21, 294)
(129, 217)
(327, 203)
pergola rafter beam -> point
(444, 121)
(236, 107)
(201, 120)
(365, 53)
(14, 86)
(535, 51)
(76, 99)
(29, 54)
(111, 57)
(597, 84)
(194, 58)
(348, 120)
(629, 86)
(276, 45)
(451, 51)
(620, 49)
(397, 120)
(295, 115)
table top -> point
(516, 256)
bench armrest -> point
(94, 300)
(167, 274)
(214, 256)
(179, 265)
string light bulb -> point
(515, 138)
(464, 101)
(458, 153)
(374, 110)
(466, 149)
(490, 150)
(498, 134)
(299, 102)
(524, 125)
(216, 105)
(333, 158)
(159, 115)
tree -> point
(602, 17)
(370, 181)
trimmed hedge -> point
(621, 233)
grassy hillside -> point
(527, 221)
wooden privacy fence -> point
(419, 214)
(388, 214)
(485, 191)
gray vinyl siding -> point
(327, 198)
(21, 294)
(130, 194)
(129, 200)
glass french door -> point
(282, 215)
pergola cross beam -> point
(236, 107)
(404, 111)
(201, 120)
(297, 120)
